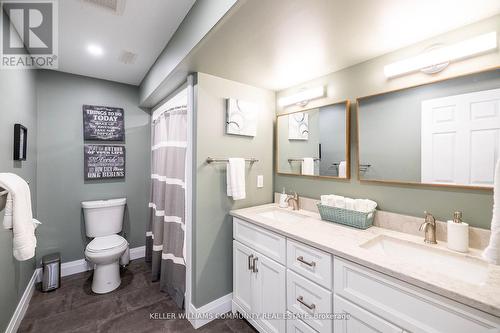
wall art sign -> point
(104, 161)
(103, 123)
(241, 117)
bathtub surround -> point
(165, 235)
(60, 161)
(17, 105)
(368, 78)
(212, 228)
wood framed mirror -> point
(314, 142)
(445, 133)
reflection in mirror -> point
(314, 142)
(442, 133)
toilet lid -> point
(106, 243)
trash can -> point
(51, 272)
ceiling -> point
(276, 44)
(137, 26)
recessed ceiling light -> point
(95, 50)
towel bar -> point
(290, 160)
(225, 160)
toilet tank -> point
(103, 217)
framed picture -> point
(103, 123)
(298, 126)
(241, 117)
(104, 161)
(20, 142)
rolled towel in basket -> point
(365, 205)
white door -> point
(360, 320)
(270, 293)
(242, 276)
(461, 138)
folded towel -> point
(7, 218)
(308, 166)
(339, 201)
(343, 169)
(350, 204)
(364, 205)
(492, 251)
(24, 240)
(235, 174)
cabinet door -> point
(270, 294)
(242, 276)
(360, 320)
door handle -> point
(300, 299)
(254, 266)
(310, 264)
(250, 261)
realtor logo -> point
(28, 34)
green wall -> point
(60, 182)
(212, 225)
(17, 105)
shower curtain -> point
(165, 238)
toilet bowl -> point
(103, 222)
(105, 253)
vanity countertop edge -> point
(343, 242)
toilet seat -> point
(106, 243)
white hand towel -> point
(365, 205)
(24, 240)
(235, 174)
(339, 201)
(7, 218)
(308, 166)
(492, 251)
(350, 204)
(324, 199)
(343, 169)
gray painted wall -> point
(212, 225)
(60, 182)
(390, 131)
(17, 105)
(368, 78)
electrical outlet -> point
(260, 181)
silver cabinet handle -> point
(254, 266)
(310, 264)
(250, 261)
(300, 299)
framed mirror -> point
(445, 133)
(314, 142)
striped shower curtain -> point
(165, 238)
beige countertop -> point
(344, 242)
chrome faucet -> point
(429, 226)
(294, 199)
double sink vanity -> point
(293, 272)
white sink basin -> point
(457, 266)
(281, 215)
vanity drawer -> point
(264, 241)
(312, 263)
(309, 299)
(406, 306)
(295, 325)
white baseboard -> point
(205, 314)
(137, 252)
(23, 304)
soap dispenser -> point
(283, 203)
(458, 234)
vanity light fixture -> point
(436, 59)
(302, 97)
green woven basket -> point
(347, 217)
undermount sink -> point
(454, 265)
(281, 215)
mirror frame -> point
(411, 183)
(347, 143)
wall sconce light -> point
(302, 97)
(437, 58)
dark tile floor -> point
(74, 308)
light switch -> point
(260, 181)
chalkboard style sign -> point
(103, 123)
(20, 142)
(104, 161)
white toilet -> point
(103, 221)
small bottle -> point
(283, 203)
(458, 234)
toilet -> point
(103, 222)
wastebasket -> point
(51, 272)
